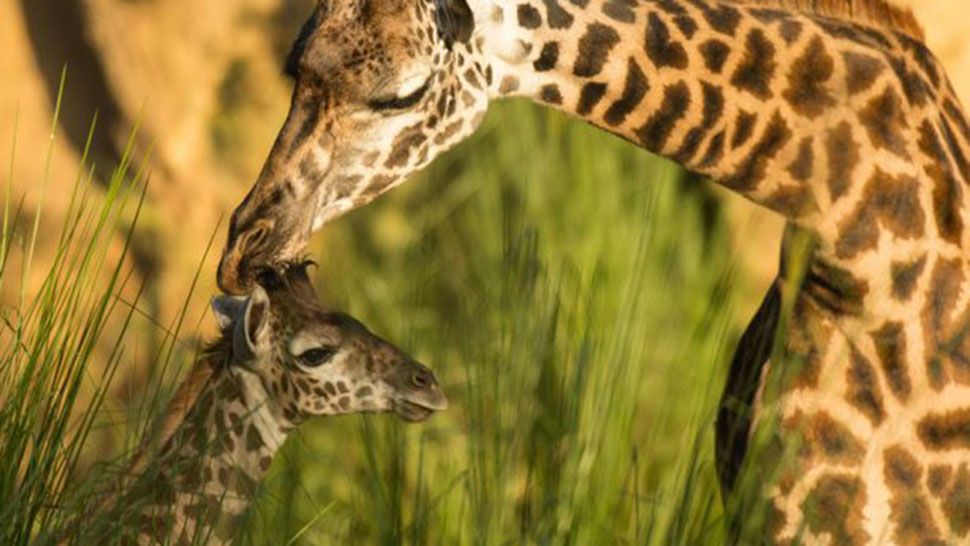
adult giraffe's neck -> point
(788, 110)
(216, 443)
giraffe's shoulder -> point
(877, 13)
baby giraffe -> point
(281, 359)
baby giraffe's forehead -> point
(314, 320)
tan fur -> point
(877, 13)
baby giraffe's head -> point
(317, 361)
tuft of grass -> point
(51, 390)
(63, 341)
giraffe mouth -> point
(411, 412)
(419, 406)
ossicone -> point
(455, 21)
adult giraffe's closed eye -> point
(378, 92)
(830, 112)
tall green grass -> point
(49, 338)
(575, 296)
(69, 323)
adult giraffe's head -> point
(381, 87)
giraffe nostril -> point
(256, 237)
(421, 380)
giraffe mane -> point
(877, 13)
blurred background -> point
(580, 299)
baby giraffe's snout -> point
(416, 392)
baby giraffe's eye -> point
(317, 356)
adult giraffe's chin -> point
(381, 88)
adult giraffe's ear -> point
(455, 21)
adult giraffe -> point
(830, 112)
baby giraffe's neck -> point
(218, 439)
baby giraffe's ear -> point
(246, 318)
(228, 310)
(256, 320)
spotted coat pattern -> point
(847, 127)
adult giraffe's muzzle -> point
(254, 246)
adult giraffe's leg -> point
(734, 416)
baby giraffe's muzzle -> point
(417, 394)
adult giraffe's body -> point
(282, 358)
(845, 124)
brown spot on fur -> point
(589, 97)
(715, 149)
(793, 201)
(890, 342)
(938, 478)
(715, 54)
(863, 388)
(861, 71)
(756, 70)
(620, 10)
(790, 30)
(805, 356)
(302, 385)
(843, 155)
(409, 139)
(529, 17)
(803, 166)
(905, 276)
(888, 201)
(254, 440)
(945, 431)
(655, 132)
(557, 17)
(449, 132)
(911, 516)
(594, 49)
(834, 507)
(509, 84)
(774, 138)
(550, 94)
(548, 57)
(946, 329)
(831, 440)
(947, 191)
(807, 76)
(956, 503)
(661, 49)
(884, 121)
(743, 128)
(635, 88)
